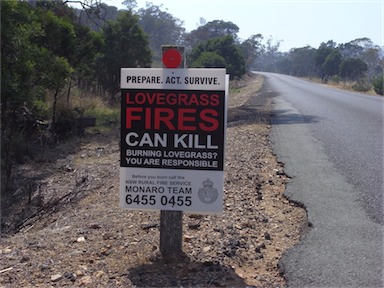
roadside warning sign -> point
(173, 125)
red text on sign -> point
(181, 99)
(186, 119)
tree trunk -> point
(54, 105)
(69, 92)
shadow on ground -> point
(185, 274)
(282, 117)
(258, 110)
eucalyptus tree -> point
(252, 48)
(270, 56)
(162, 28)
(41, 50)
(212, 29)
(209, 60)
(226, 48)
(303, 61)
(324, 50)
(331, 65)
(125, 45)
(33, 64)
(352, 69)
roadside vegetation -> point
(356, 65)
(60, 67)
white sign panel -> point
(174, 79)
(173, 125)
(195, 191)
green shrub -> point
(335, 79)
(378, 84)
(361, 86)
(209, 60)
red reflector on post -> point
(172, 58)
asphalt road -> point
(331, 142)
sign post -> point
(173, 123)
(171, 222)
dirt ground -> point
(73, 234)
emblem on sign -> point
(208, 194)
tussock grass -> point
(85, 104)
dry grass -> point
(89, 104)
(242, 90)
(343, 85)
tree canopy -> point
(219, 49)
(213, 29)
(302, 61)
(126, 45)
(252, 48)
(358, 60)
(352, 68)
(162, 29)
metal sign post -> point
(171, 222)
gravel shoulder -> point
(77, 236)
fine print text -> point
(173, 191)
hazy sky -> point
(297, 23)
